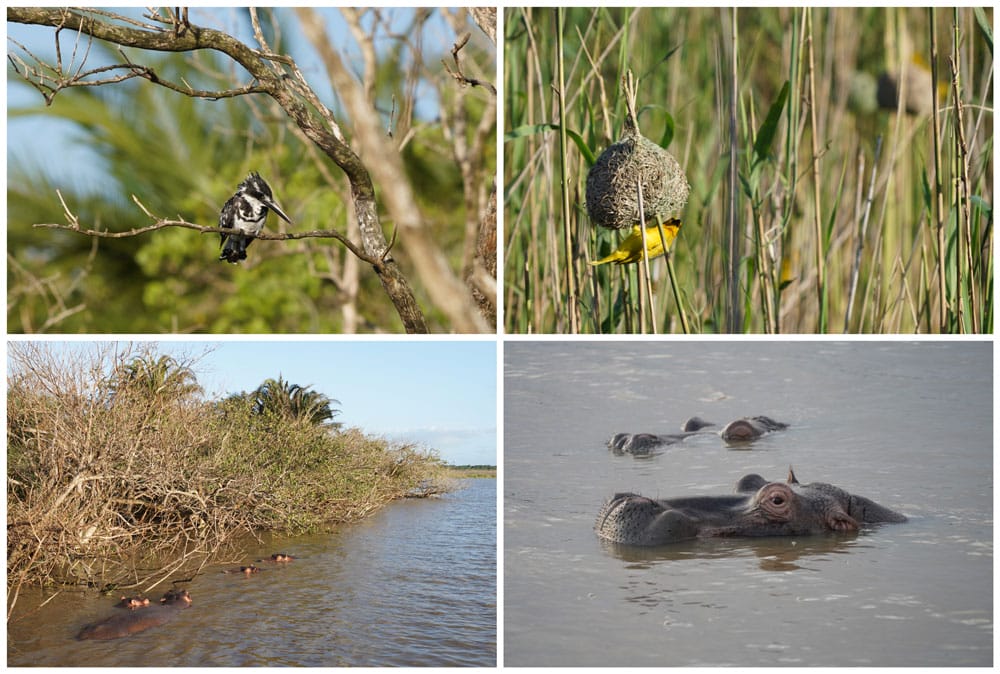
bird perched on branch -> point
(630, 250)
(246, 211)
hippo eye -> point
(778, 500)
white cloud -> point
(458, 446)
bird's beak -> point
(277, 209)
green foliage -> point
(786, 220)
(170, 279)
(588, 155)
(668, 131)
(283, 400)
(182, 157)
(984, 27)
(769, 129)
(161, 379)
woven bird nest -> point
(613, 180)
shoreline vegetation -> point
(470, 472)
(122, 474)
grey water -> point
(909, 425)
(412, 585)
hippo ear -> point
(791, 476)
(750, 483)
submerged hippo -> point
(741, 430)
(276, 558)
(245, 570)
(176, 597)
(638, 443)
(124, 624)
(643, 443)
(748, 429)
(760, 508)
(132, 603)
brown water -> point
(415, 584)
(908, 425)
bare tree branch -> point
(486, 261)
(486, 19)
(54, 289)
(479, 250)
(446, 291)
(162, 223)
(366, 44)
(287, 90)
(457, 72)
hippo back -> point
(122, 625)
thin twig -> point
(162, 223)
(572, 308)
(862, 233)
(645, 251)
(821, 298)
(457, 72)
(938, 191)
(964, 237)
(668, 258)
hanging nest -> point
(612, 194)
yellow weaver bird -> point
(630, 250)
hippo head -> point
(857, 507)
(777, 508)
(749, 429)
(176, 597)
(760, 508)
(133, 603)
(808, 508)
(740, 430)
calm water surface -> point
(415, 584)
(908, 425)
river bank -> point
(460, 472)
(414, 584)
(122, 473)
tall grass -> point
(811, 209)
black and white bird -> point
(246, 211)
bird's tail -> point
(614, 257)
(234, 249)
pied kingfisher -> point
(246, 211)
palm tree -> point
(289, 401)
(314, 407)
(162, 377)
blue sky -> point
(46, 143)
(440, 394)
